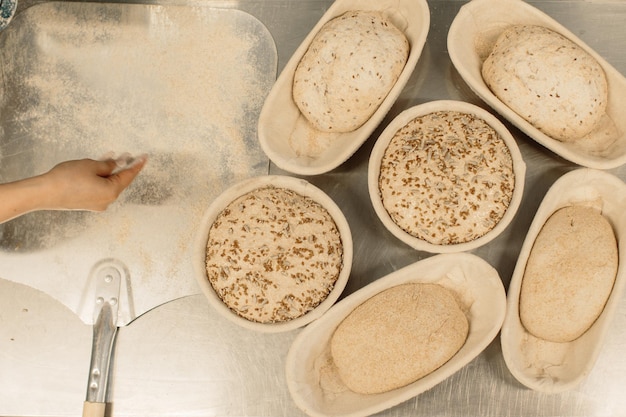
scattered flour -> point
(183, 85)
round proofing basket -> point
(301, 187)
(519, 170)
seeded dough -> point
(397, 337)
(348, 70)
(569, 274)
(548, 80)
(446, 178)
(273, 255)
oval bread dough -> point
(548, 80)
(348, 70)
(569, 274)
(397, 337)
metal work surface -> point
(183, 359)
(84, 79)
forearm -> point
(20, 197)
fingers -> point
(105, 167)
(127, 174)
(110, 164)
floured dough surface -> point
(548, 80)
(398, 336)
(569, 274)
(446, 178)
(348, 70)
(273, 255)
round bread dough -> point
(398, 336)
(569, 275)
(446, 178)
(548, 80)
(273, 255)
(349, 68)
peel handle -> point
(104, 332)
(93, 409)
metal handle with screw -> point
(108, 279)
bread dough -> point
(273, 255)
(398, 336)
(446, 178)
(548, 80)
(348, 70)
(569, 274)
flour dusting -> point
(183, 85)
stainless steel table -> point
(182, 359)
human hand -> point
(87, 184)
